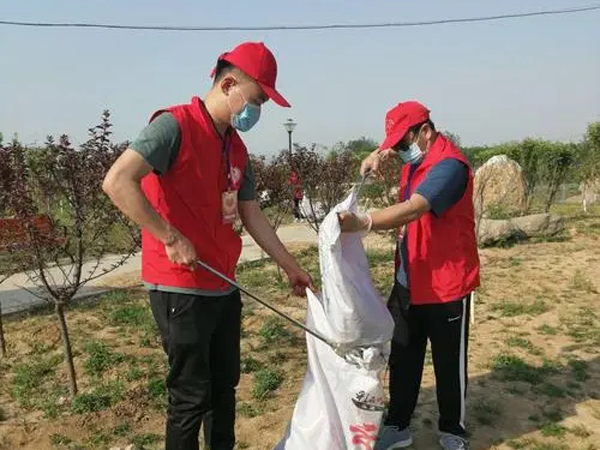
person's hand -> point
(299, 281)
(180, 250)
(352, 223)
(371, 163)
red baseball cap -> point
(400, 119)
(256, 61)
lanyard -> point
(225, 149)
(407, 189)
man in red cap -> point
(185, 180)
(437, 268)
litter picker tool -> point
(265, 304)
(363, 179)
(347, 351)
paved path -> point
(14, 297)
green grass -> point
(583, 326)
(266, 381)
(132, 315)
(376, 256)
(579, 369)
(128, 316)
(486, 411)
(116, 297)
(520, 342)
(249, 365)
(58, 439)
(134, 372)
(581, 282)
(533, 444)
(100, 358)
(100, 398)
(553, 429)
(29, 378)
(156, 390)
(3, 415)
(40, 348)
(278, 357)
(514, 308)
(550, 390)
(258, 274)
(553, 415)
(499, 211)
(140, 441)
(547, 330)
(247, 410)
(122, 429)
(549, 446)
(273, 331)
(98, 439)
(580, 431)
(515, 261)
(518, 445)
(509, 367)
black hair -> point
(417, 127)
(223, 68)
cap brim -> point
(274, 95)
(393, 139)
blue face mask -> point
(413, 154)
(247, 117)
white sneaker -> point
(452, 442)
(392, 438)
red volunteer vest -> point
(189, 197)
(443, 262)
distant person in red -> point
(298, 193)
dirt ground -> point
(534, 359)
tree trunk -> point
(2, 341)
(68, 353)
(553, 190)
(529, 200)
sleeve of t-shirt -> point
(159, 142)
(247, 189)
(444, 185)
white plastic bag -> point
(341, 405)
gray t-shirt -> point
(158, 143)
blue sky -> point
(488, 82)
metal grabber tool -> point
(342, 350)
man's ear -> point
(226, 84)
(428, 132)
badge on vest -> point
(229, 206)
(235, 177)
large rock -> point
(539, 225)
(492, 232)
(500, 183)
